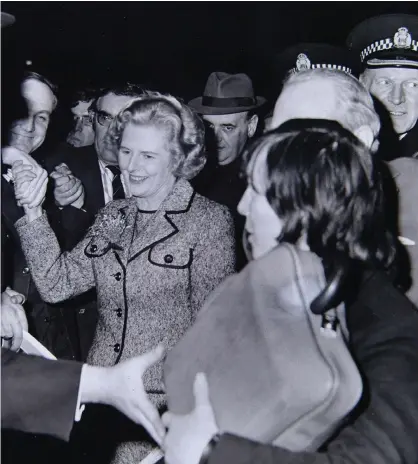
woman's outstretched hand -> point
(30, 182)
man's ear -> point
(252, 125)
(363, 78)
(365, 134)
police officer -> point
(388, 49)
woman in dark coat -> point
(313, 184)
(153, 257)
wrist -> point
(79, 203)
(33, 213)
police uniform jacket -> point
(149, 284)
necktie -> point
(118, 193)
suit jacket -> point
(383, 327)
(405, 174)
(149, 287)
(38, 395)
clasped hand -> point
(30, 182)
(68, 189)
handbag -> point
(278, 373)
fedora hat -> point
(226, 94)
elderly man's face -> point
(397, 89)
(28, 134)
(316, 99)
(107, 108)
(82, 133)
(231, 133)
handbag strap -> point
(334, 316)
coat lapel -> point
(161, 226)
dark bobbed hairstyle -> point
(186, 131)
(323, 182)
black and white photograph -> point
(209, 232)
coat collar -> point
(158, 225)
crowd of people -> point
(154, 240)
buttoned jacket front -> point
(150, 285)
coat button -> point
(118, 276)
(168, 259)
(25, 270)
(93, 248)
(81, 311)
(119, 312)
(116, 347)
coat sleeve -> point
(58, 276)
(214, 257)
(39, 395)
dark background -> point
(172, 46)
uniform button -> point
(25, 270)
(81, 311)
(168, 259)
(119, 312)
(116, 347)
(93, 248)
(118, 276)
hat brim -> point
(196, 104)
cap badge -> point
(303, 62)
(402, 39)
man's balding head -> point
(328, 94)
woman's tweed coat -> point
(149, 288)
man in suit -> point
(383, 332)
(388, 49)
(28, 131)
(229, 108)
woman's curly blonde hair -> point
(185, 128)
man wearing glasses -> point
(82, 133)
(95, 166)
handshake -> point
(31, 181)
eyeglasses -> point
(104, 119)
(86, 119)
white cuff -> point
(80, 407)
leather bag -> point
(277, 372)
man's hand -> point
(188, 435)
(30, 182)
(13, 319)
(121, 386)
(68, 189)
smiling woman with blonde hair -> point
(153, 257)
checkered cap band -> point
(335, 67)
(385, 44)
